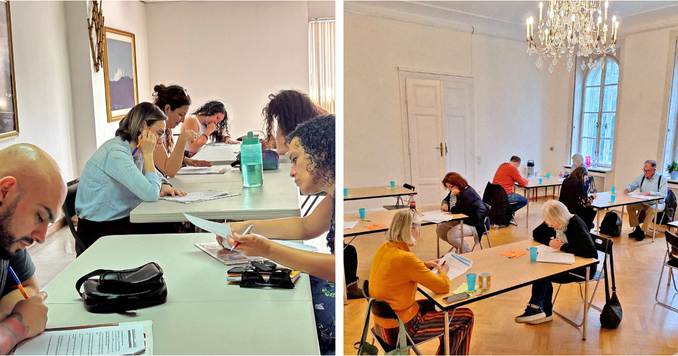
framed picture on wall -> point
(9, 118)
(120, 73)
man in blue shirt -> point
(652, 184)
(31, 193)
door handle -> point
(445, 148)
(440, 148)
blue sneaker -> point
(531, 315)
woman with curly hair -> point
(211, 122)
(311, 150)
(284, 112)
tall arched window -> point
(598, 112)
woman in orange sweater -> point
(394, 276)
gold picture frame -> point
(9, 116)
(122, 92)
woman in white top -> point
(211, 122)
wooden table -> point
(533, 186)
(506, 275)
(603, 202)
(203, 314)
(380, 192)
(277, 198)
(383, 219)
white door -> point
(458, 127)
(427, 149)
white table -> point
(203, 314)
(277, 198)
(218, 153)
(603, 202)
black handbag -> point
(612, 313)
(124, 290)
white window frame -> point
(670, 146)
(321, 68)
(578, 110)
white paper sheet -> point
(556, 257)
(201, 170)
(195, 197)
(123, 339)
(640, 196)
(457, 264)
(350, 224)
(211, 226)
(436, 217)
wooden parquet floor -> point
(647, 328)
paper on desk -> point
(350, 224)
(640, 196)
(436, 217)
(219, 229)
(195, 197)
(201, 170)
(123, 339)
(457, 264)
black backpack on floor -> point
(611, 224)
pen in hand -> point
(18, 282)
(247, 230)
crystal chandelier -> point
(572, 28)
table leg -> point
(461, 233)
(586, 299)
(654, 225)
(446, 337)
(598, 220)
(437, 246)
(527, 209)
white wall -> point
(43, 85)
(508, 95)
(236, 52)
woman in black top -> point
(575, 195)
(462, 199)
(562, 231)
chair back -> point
(408, 186)
(69, 211)
(379, 308)
(495, 196)
(672, 242)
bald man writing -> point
(31, 193)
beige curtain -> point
(321, 63)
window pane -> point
(593, 76)
(607, 127)
(588, 147)
(591, 99)
(611, 72)
(610, 98)
(589, 125)
(605, 158)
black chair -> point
(69, 211)
(670, 261)
(604, 246)
(487, 223)
(495, 196)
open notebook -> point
(548, 255)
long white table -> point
(277, 198)
(218, 153)
(604, 202)
(203, 314)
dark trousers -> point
(90, 231)
(350, 264)
(542, 291)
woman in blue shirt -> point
(114, 181)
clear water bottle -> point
(251, 162)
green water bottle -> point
(251, 161)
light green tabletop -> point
(203, 314)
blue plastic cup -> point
(533, 254)
(361, 213)
(345, 192)
(548, 175)
(471, 281)
(539, 180)
(392, 184)
(613, 197)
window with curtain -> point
(593, 129)
(321, 63)
(670, 148)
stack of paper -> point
(640, 196)
(350, 224)
(224, 255)
(457, 264)
(547, 254)
(194, 197)
(201, 170)
(436, 217)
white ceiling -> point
(507, 18)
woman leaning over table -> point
(169, 155)
(114, 180)
(565, 232)
(311, 150)
(394, 276)
(462, 199)
(211, 122)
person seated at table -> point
(577, 161)
(311, 151)
(507, 176)
(394, 276)
(565, 232)
(284, 112)
(120, 175)
(651, 184)
(574, 194)
(31, 194)
(211, 122)
(169, 155)
(461, 199)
